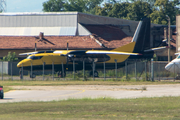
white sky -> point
(24, 5)
(27, 5)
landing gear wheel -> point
(33, 76)
(63, 76)
(95, 73)
(59, 74)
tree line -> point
(157, 10)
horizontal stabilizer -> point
(154, 49)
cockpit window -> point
(34, 57)
(178, 57)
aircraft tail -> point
(141, 38)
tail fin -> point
(142, 36)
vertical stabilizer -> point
(142, 36)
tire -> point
(33, 76)
(63, 76)
(95, 73)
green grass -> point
(90, 82)
(165, 108)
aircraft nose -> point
(173, 67)
(19, 64)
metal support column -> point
(126, 70)
(174, 71)
(31, 70)
(145, 70)
(115, 68)
(53, 70)
(22, 73)
(11, 71)
(83, 70)
(2, 70)
(43, 70)
(104, 71)
(62, 72)
(93, 70)
(136, 70)
(73, 70)
(152, 70)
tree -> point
(53, 6)
(134, 10)
(165, 7)
(86, 6)
(10, 57)
(119, 10)
(75, 5)
(139, 10)
(125, 10)
(103, 11)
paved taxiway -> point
(50, 93)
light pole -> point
(169, 32)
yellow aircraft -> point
(62, 60)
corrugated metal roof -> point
(34, 31)
(38, 20)
(38, 13)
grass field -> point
(166, 108)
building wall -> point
(178, 33)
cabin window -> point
(34, 57)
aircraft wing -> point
(28, 53)
(110, 52)
(38, 52)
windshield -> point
(178, 57)
(34, 57)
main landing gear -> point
(93, 69)
(95, 73)
(60, 74)
(32, 76)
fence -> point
(131, 70)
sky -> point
(24, 5)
